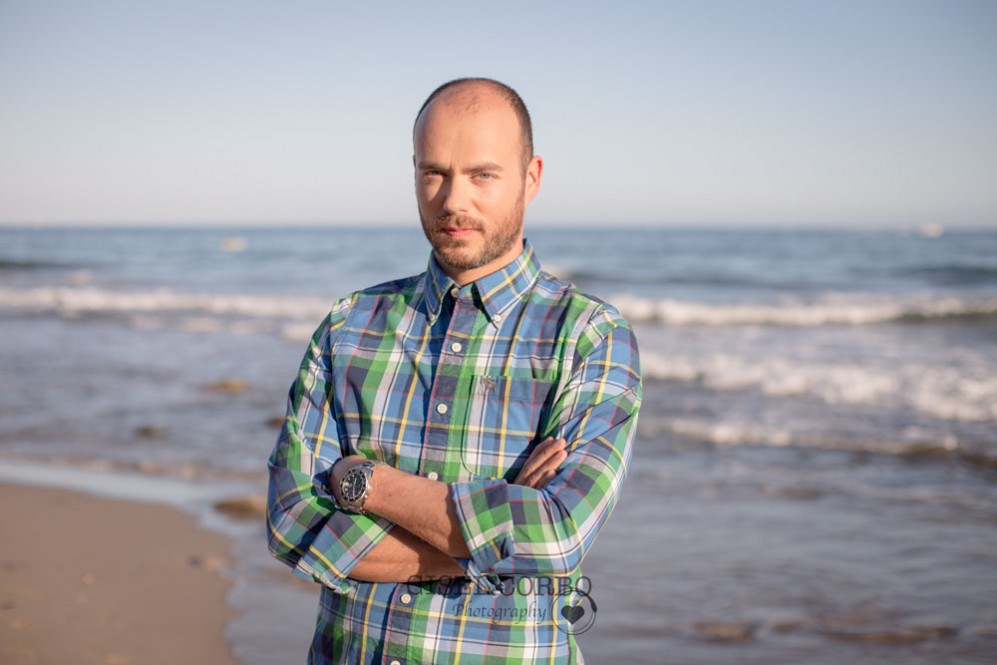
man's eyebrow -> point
(484, 166)
(477, 168)
(431, 166)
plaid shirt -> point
(458, 384)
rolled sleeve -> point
(486, 522)
(309, 533)
(306, 529)
(515, 530)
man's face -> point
(470, 185)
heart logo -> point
(576, 607)
(572, 613)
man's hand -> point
(542, 463)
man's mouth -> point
(458, 233)
(457, 228)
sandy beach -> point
(91, 580)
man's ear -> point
(534, 172)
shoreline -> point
(116, 581)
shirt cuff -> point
(344, 540)
(486, 522)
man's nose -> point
(456, 196)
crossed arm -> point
(540, 524)
(427, 537)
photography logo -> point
(573, 610)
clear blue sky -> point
(867, 113)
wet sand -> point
(92, 580)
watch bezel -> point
(354, 501)
(349, 486)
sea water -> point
(815, 467)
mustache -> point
(456, 222)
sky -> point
(772, 113)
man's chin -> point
(457, 261)
(458, 255)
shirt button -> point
(441, 409)
(455, 292)
(497, 318)
(432, 475)
(406, 598)
(395, 662)
(456, 347)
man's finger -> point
(544, 475)
(541, 477)
(543, 463)
(548, 448)
(541, 454)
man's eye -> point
(486, 176)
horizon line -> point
(718, 225)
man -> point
(455, 440)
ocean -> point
(815, 473)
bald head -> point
(466, 95)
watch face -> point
(354, 485)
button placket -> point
(459, 315)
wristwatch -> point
(355, 486)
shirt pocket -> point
(506, 417)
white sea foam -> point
(75, 301)
(936, 390)
(831, 310)
(81, 299)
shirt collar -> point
(496, 291)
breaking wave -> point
(83, 300)
(852, 311)
(948, 393)
(291, 317)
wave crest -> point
(830, 311)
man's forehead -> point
(476, 136)
(475, 119)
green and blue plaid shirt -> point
(458, 384)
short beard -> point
(446, 249)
